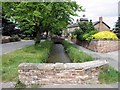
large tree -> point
(41, 16)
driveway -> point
(9, 47)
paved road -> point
(111, 57)
(9, 47)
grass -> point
(30, 54)
(75, 54)
(109, 75)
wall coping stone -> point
(66, 66)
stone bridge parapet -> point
(61, 73)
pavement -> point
(9, 47)
(81, 86)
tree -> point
(41, 17)
(117, 28)
(9, 28)
(85, 31)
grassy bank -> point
(30, 54)
(109, 75)
(75, 54)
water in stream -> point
(58, 55)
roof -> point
(73, 25)
(83, 19)
(95, 23)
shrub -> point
(12, 39)
(105, 35)
(17, 38)
(85, 31)
(26, 38)
(75, 54)
(88, 36)
(5, 40)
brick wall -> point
(59, 73)
(101, 45)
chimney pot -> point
(100, 19)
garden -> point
(88, 37)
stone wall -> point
(101, 45)
(59, 73)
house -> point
(100, 25)
(74, 26)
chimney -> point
(100, 25)
(100, 19)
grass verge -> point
(75, 54)
(30, 54)
(109, 75)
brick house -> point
(100, 25)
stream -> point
(58, 55)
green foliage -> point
(75, 54)
(30, 54)
(41, 17)
(117, 28)
(109, 75)
(86, 26)
(88, 36)
(105, 35)
(85, 32)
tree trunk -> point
(46, 34)
(38, 37)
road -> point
(9, 47)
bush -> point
(17, 38)
(75, 54)
(105, 35)
(88, 36)
(12, 39)
(5, 40)
(26, 38)
(85, 32)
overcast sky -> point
(108, 9)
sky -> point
(94, 9)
